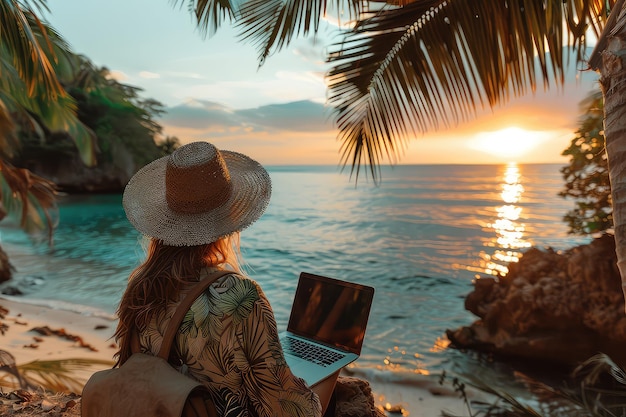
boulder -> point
(354, 398)
(552, 307)
(70, 175)
(6, 269)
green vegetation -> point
(126, 133)
(117, 115)
(32, 99)
(587, 175)
(55, 106)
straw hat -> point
(196, 195)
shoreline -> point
(79, 336)
(34, 333)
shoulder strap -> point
(183, 307)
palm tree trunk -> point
(613, 84)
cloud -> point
(149, 75)
(185, 75)
(209, 116)
(310, 51)
(118, 76)
(202, 115)
(282, 86)
(297, 116)
(298, 132)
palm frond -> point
(598, 365)
(403, 71)
(58, 375)
(30, 84)
(269, 25)
(40, 5)
(60, 114)
(210, 14)
(40, 117)
(274, 23)
(28, 50)
(31, 197)
(8, 138)
(58, 51)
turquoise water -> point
(420, 238)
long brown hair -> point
(160, 278)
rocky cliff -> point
(60, 163)
(560, 308)
(72, 176)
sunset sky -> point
(213, 90)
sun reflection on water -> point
(398, 359)
(509, 230)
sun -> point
(509, 143)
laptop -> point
(326, 326)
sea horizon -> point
(420, 238)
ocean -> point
(419, 238)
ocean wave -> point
(83, 310)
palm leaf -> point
(8, 138)
(410, 66)
(403, 71)
(31, 53)
(60, 114)
(28, 52)
(210, 14)
(267, 24)
(59, 375)
(30, 195)
(65, 62)
(271, 25)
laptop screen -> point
(331, 311)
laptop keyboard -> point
(312, 353)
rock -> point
(71, 175)
(11, 290)
(6, 269)
(60, 162)
(556, 307)
(354, 398)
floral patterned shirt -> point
(228, 340)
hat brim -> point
(147, 210)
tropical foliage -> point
(56, 106)
(587, 175)
(117, 114)
(32, 99)
(407, 67)
(59, 375)
(54, 375)
(123, 122)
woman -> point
(192, 205)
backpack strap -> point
(183, 307)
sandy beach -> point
(36, 333)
